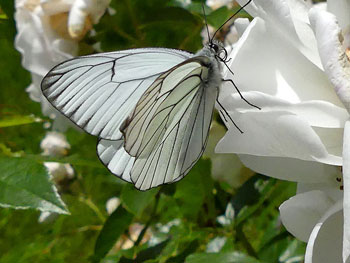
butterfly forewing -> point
(98, 92)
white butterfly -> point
(151, 107)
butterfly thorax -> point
(210, 58)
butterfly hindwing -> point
(113, 155)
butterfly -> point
(151, 108)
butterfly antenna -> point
(206, 23)
(239, 10)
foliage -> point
(195, 220)
(20, 189)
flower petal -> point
(325, 242)
(332, 188)
(341, 9)
(275, 133)
(333, 57)
(346, 179)
(289, 17)
(40, 47)
(301, 213)
(316, 112)
(241, 25)
(55, 7)
(275, 67)
(292, 169)
(332, 139)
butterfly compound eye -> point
(215, 47)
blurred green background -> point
(198, 219)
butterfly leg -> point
(228, 115)
(240, 94)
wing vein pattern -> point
(150, 108)
(98, 92)
(168, 129)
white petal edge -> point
(331, 188)
(346, 179)
(264, 61)
(292, 169)
(341, 9)
(301, 213)
(291, 20)
(318, 113)
(241, 25)
(335, 62)
(274, 134)
(325, 242)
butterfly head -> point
(218, 49)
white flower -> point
(277, 67)
(112, 204)
(293, 62)
(54, 144)
(59, 171)
(47, 34)
(316, 216)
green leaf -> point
(136, 201)
(8, 7)
(218, 16)
(116, 224)
(294, 252)
(26, 184)
(18, 120)
(251, 196)
(198, 8)
(146, 254)
(196, 188)
(189, 249)
(228, 257)
(74, 159)
(3, 16)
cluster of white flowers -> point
(293, 62)
(55, 145)
(48, 32)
